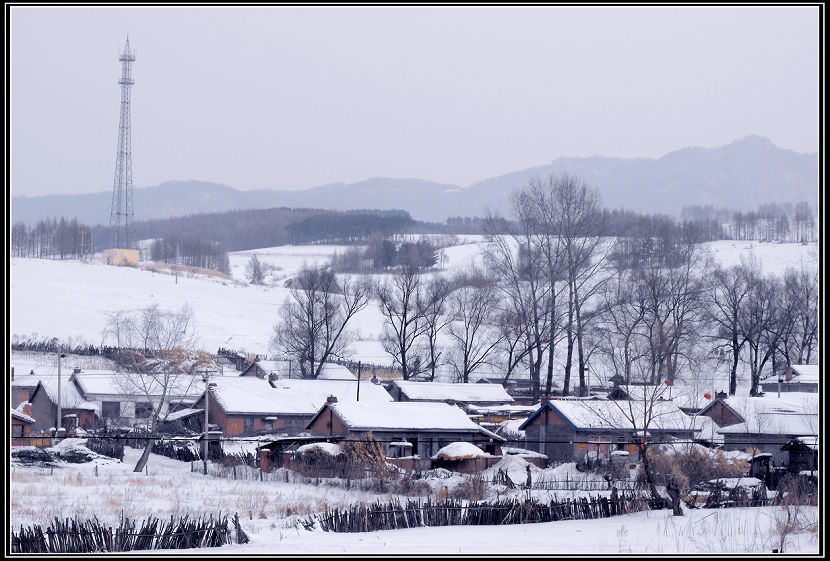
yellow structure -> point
(121, 257)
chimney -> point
(76, 370)
(273, 377)
(545, 398)
(450, 401)
(722, 395)
(331, 399)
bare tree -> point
(160, 362)
(727, 291)
(761, 325)
(399, 299)
(472, 334)
(253, 270)
(799, 316)
(313, 319)
(433, 309)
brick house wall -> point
(722, 416)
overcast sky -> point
(291, 98)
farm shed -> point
(803, 454)
(45, 406)
(22, 423)
(574, 429)
(426, 426)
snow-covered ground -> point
(270, 510)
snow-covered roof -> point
(104, 383)
(587, 414)
(250, 395)
(283, 368)
(70, 397)
(20, 415)
(798, 412)
(460, 451)
(407, 415)
(329, 448)
(791, 424)
(804, 372)
(468, 393)
(182, 413)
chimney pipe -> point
(331, 399)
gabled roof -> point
(724, 403)
(403, 416)
(591, 414)
(70, 397)
(467, 393)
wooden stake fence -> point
(90, 536)
(395, 515)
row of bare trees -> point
(555, 292)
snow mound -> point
(460, 451)
(326, 447)
(515, 467)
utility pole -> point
(358, 380)
(58, 423)
(205, 379)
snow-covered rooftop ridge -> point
(468, 393)
(406, 415)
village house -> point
(244, 405)
(22, 422)
(797, 378)
(129, 399)
(576, 429)
(412, 429)
(76, 410)
(764, 423)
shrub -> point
(473, 488)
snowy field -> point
(270, 511)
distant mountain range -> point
(740, 175)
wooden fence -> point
(413, 514)
(91, 536)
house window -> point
(17, 431)
(249, 424)
(143, 410)
(111, 409)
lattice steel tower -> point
(121, 214)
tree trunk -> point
(142, 461)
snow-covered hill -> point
(70, 300)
